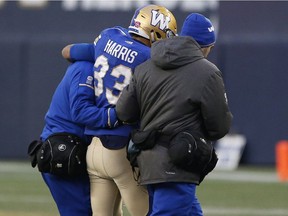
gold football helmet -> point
(153, 22)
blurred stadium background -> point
(251, 52)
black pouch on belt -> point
(193, 153)
(61, 154)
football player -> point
(115, 53)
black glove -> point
(33, 148)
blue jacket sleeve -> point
(82, 100)
(82, 52)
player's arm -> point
(79, 52)
(82, 101)
(214, 108)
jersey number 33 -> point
(117, 71)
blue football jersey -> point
(116, 56)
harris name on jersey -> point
(120, 51)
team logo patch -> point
(211, 29)
(89, 80)
(137, 24)
(61, 147)
(226, 99)
(129, 42)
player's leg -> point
(174, 199)
(135, 197)
(105, 196)
(71, 195)
(118, 205)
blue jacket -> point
(72, 106)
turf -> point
(245, 192)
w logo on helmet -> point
(159, 19)
(153, 23)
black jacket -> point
(176, 89)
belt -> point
(163, 140)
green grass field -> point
(244, 192)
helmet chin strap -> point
(170, 34)
(152, 38)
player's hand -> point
(113, 120)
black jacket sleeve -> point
(214, 108)
(127, 107)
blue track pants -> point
(72, 195)
(174, 199)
